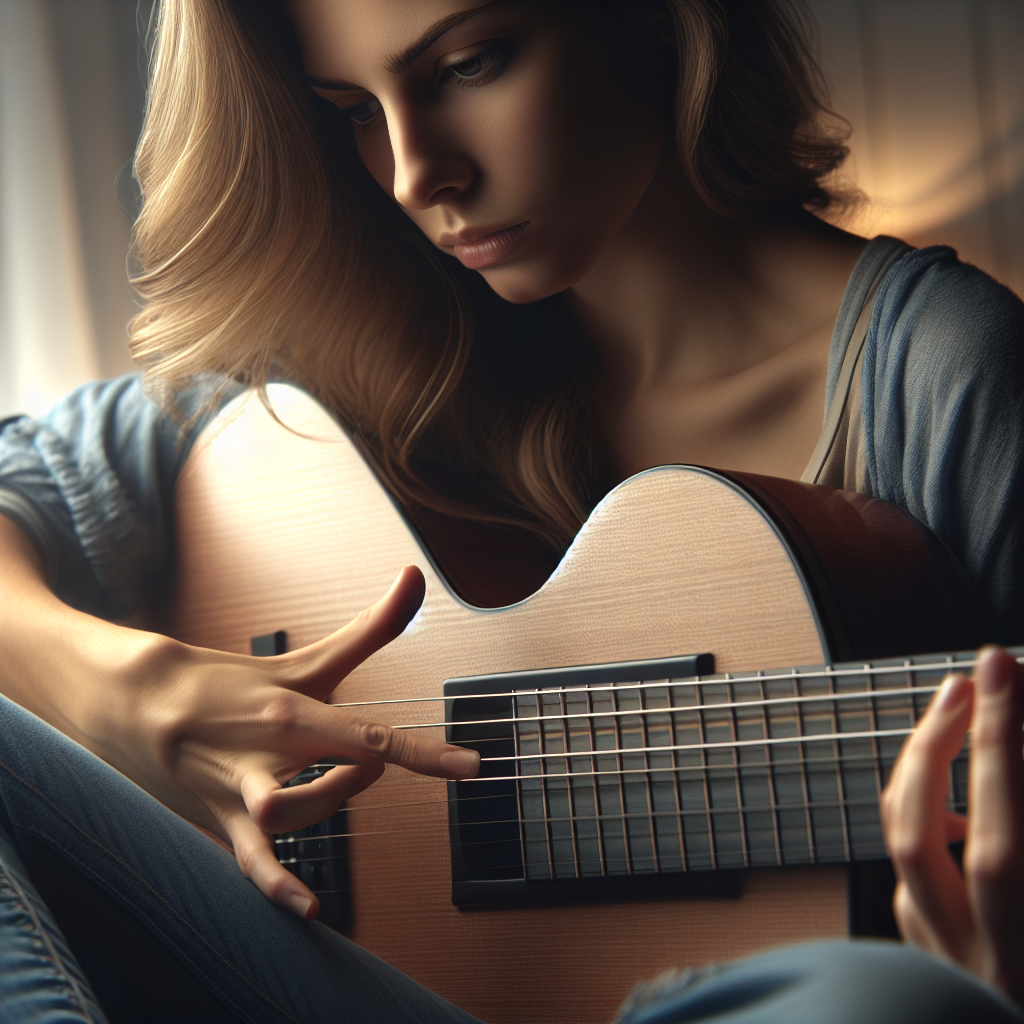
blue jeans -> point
(264, 964)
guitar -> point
(655, 792)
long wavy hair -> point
(264, 250)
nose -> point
(428, 162)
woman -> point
(637, 178)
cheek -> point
(375, 151)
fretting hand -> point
(974, 917)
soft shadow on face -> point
(519, 140)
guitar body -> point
(292, 531)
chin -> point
(533, 280)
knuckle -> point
(907, 851)
(992, 860)
(378, 739)
(280, 712)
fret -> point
(818, 719)
(663, 791)
(844, 823)
(645, 743)
(563, 840)
(712, 846)
(518, 747)
(602, 857)
(754, 783)
(627, 848)
(570, 731)
(671, 781)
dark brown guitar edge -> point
(885, 584)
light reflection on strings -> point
(789, 675)
(648, 712)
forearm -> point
(61, 664)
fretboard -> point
(594, 774)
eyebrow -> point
(399, 62)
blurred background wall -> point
(934, 91)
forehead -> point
(355, 38)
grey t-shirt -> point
(924, 408)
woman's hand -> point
(974, 917)
(212, 735)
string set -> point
(543, 726)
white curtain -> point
(47, 341)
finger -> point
(341, 734)
(915, 818)
(254, 851)
(956, 827)
(317, 669)
(275, 808)
(912, 925)
(994, 849)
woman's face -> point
(519, 135)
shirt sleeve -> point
(943, 402)
(92, 482)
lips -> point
(483, 247)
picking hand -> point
(974, 917)
(214, 736)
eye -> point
(479, 69)
(364, 113)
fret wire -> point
(846, 695)
(627, 848)
(684, 856)
(545, 802)
(773, 802)
(804, 786)
(875, 750)
(840, 782)
(710, 822)
(517, 746)
(642, 696)
(569, 793)
(823, 672)
(734, 732)
(819, 737)
(601, 852)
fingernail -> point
(299, 904)
(988, 677)
(460, 764)
(953, 692)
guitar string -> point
(596, 817)
(769, 767)
(816, 737)
(764, 771)
(822, 737)
(906, 691)
(767, 675)
(746, 770)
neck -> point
(684, 295)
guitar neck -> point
(586, 778)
